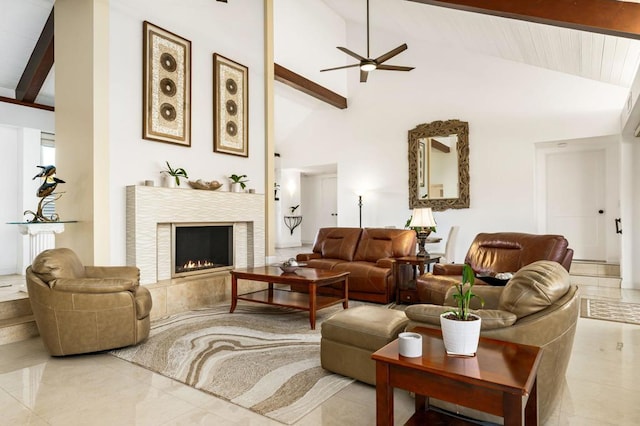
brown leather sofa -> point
(367, 254)
(494, 253)
(80, 309)
(537, 307)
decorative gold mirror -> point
(439, 165)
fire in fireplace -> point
(201, 248)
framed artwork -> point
(230, 107)
(166, 100)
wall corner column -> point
(82, 126)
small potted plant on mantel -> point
(461, 328)
(238, 182)
(172, 176)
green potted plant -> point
(461, 328)
(170, 174)
(238, 182)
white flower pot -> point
(460, 337)
(168, 181)
(236, 187)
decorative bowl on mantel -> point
(201, 184)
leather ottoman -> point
(351, 336)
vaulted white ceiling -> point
(609, 59)
(599, 57)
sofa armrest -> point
(93, 285)
(430, 314)
(303, 257)
(447, 269)
(386, 262)
(489, 294)
(125, 272)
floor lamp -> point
(423, 220)
(360, 208)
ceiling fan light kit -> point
(368, 64)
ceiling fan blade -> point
(390, 54)
(363, 76)
(394, 68)
(350, 53)
(339, 68)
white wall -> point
(19, 144)
(8, 199)
(312, 29)
(509, 107)
(234, 30)
(21, 116)
(630, 188)
(290, 196)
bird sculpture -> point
(48, 186)
(46, 171)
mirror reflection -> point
(439, 165)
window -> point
(47, 157)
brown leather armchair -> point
(537, 307)
(492, 253)
(80, 309)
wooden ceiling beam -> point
(39, 65)
(309, 87)
(27, 104)
(611, 17)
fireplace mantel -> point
(152, 210)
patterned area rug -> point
(610, 310)
(260, 357)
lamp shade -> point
(422, 218)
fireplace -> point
(199, 248)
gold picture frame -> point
(166, 100)
(230, 107)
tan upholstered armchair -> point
(80, 309)
(538, 307)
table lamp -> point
(423, 220)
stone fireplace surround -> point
(150, 213)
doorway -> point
(578, 196)
(320, 201)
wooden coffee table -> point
(311, 301)
(499, 380)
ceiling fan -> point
(369, 64)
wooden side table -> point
(500, 380)
(406, 282)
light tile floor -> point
(36, 389)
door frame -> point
(611, 146)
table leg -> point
(513, 409)
(345, 304)
(384, 395)
(234, 293)
(421, 402)
(531, 410)
(312, 305)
